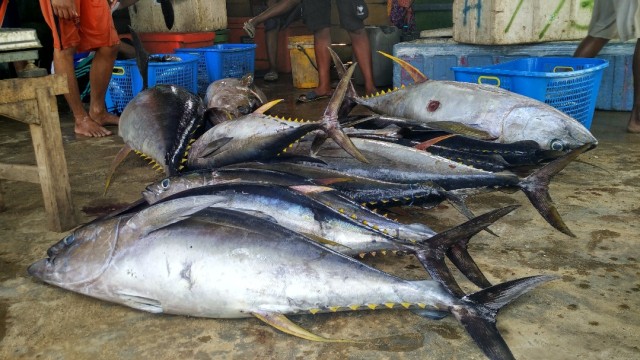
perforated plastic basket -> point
(568, 84)
(222, 61)
(126, 81)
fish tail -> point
(347, 104)
(142, 58)
(453, 243)
(536, 187)
(479, 310)
(330, 123)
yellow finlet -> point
(334, 308)
(372, 306)
(389, 305)
(354, 307)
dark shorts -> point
(281, 22)
(317, 14)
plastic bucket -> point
(303, 62)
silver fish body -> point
(251, 137)
(506, 116)
(209, 268)
(178, 258)
(397, 163)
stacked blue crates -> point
(222, 61)
(436, 58)
(126, 81)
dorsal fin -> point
(416, 75)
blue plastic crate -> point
(126, 81)
(568, 84)
(435, 57)
(222, 61)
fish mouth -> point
(39, 268)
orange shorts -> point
(94, 30)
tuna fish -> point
(498, 114)
(324, 215)
(392, 162)
(368, 192)
(231, 98)
(159, 124)
(258, 136)
(222, 264)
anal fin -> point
(282, 323)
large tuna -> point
(220, 264)
(467, 108)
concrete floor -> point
(591, 312)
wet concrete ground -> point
(590, 312)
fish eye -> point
(165, 183)
(557, 145)
(69, 239)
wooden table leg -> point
(52, 165)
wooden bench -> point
(33, 102)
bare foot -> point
(104, 118)
(634, 122)
(88, 127)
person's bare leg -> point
(362, 52)
(322, 41)
(63, 64)
(271, 39)
(634, 120)
(590, 47)
(99, 77)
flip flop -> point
(271, 76)
(249, 29)
(311, 96)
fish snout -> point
(39, 269)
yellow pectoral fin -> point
(262, 109)
(324, 241)
(283, 324)
(462, 129)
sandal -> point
(271, 76)
(249, 29)
(311, 96)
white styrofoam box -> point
(435, 57)
(494, 22)
(190, 16)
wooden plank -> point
(25, 111)
(19, 89)
(19, 172)
(52, 165)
